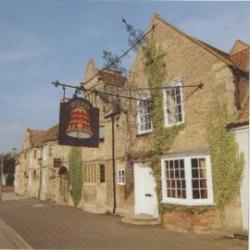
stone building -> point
(187, 61)
(186, 171)
(41, 160)
(28, 170)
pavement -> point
(47, 225)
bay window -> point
(187, 180)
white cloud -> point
(16, 45)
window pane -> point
(177, 173)
(168, 183)
(183, 183)
(178, 184)
(194, 163)
(202, 163)
(195, 173)
(203, 183)
(171, 174)
(196, 194)
(184, 194)
(171, 164)
(204, 194)
(195, 184)
(182, 163)
(202, 173)
(179, 193)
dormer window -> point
(173, 104)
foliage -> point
(227, 163)
(136, 36)
(9, 164)
(163, 137)
(75, 174)
(112, 61)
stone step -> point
(141, 219)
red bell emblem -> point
(79, 126)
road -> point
(46, 225)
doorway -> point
(145, 193)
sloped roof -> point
(51, 134)
(238, 46)
(36, 137)
(241, 59)
(111, 77)
(240, 62)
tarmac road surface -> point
(46, 225)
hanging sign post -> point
(79, 123)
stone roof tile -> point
(36, 137)
(111, 77)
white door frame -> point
(140, 196)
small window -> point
(89, 173)
(102, 173)
(35, 154)
(144, 118)
(121, 177)
(173, 104)
(101, 133)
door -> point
(145, 193)
(64, 187)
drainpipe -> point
(40, 178)
(112, 115)
(113, 161)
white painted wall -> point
(242, 137)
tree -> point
(112, 61)
(75, 174)
(9, 164)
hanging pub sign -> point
(79, 123)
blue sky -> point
(41, 41)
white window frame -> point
(139, 130)
(119, 180)
(189, 201)
(175, 83)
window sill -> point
(182, 202)
(174, 124)
(121, 184)
(144, 133)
